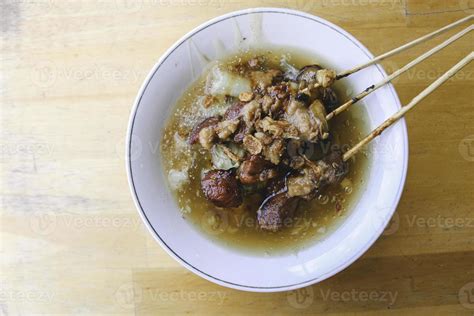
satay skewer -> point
(404, 47)
(398, 72)
(276, 207)
(395, 117)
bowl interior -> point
(178, 68)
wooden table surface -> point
(71, 241)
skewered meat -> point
(305, 185)
(221, 188)
(316, 175)
(262, 79)
(329, 99)
(319, 116)
(299, 116)
(279, 91)
(262, 122)
(308, 73)
(334, 168)
(277, 128)
(234, 110)
(316, 74)
(325, 77)
(303, 98)
(256, 169)
(274, 210)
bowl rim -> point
(128, 145)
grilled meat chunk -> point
(308, 73)
(263, 79)
(233, 111)
(275, 209)
(209, 122)
(316, 175)
(316, 74)
(325, 77)
(304, 184)
(256, 169)
(221, 188)
(334, 168)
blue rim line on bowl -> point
(129, 144)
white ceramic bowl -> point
(178, 68)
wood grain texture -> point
(71, 241)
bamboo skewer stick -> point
(398, 72)
(404, 47)
(395, 117)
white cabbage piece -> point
(217, 108)
(178, 178)
(221, 82)
(236, 149)
(180, 143)
(220, 160)
(289, 70)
